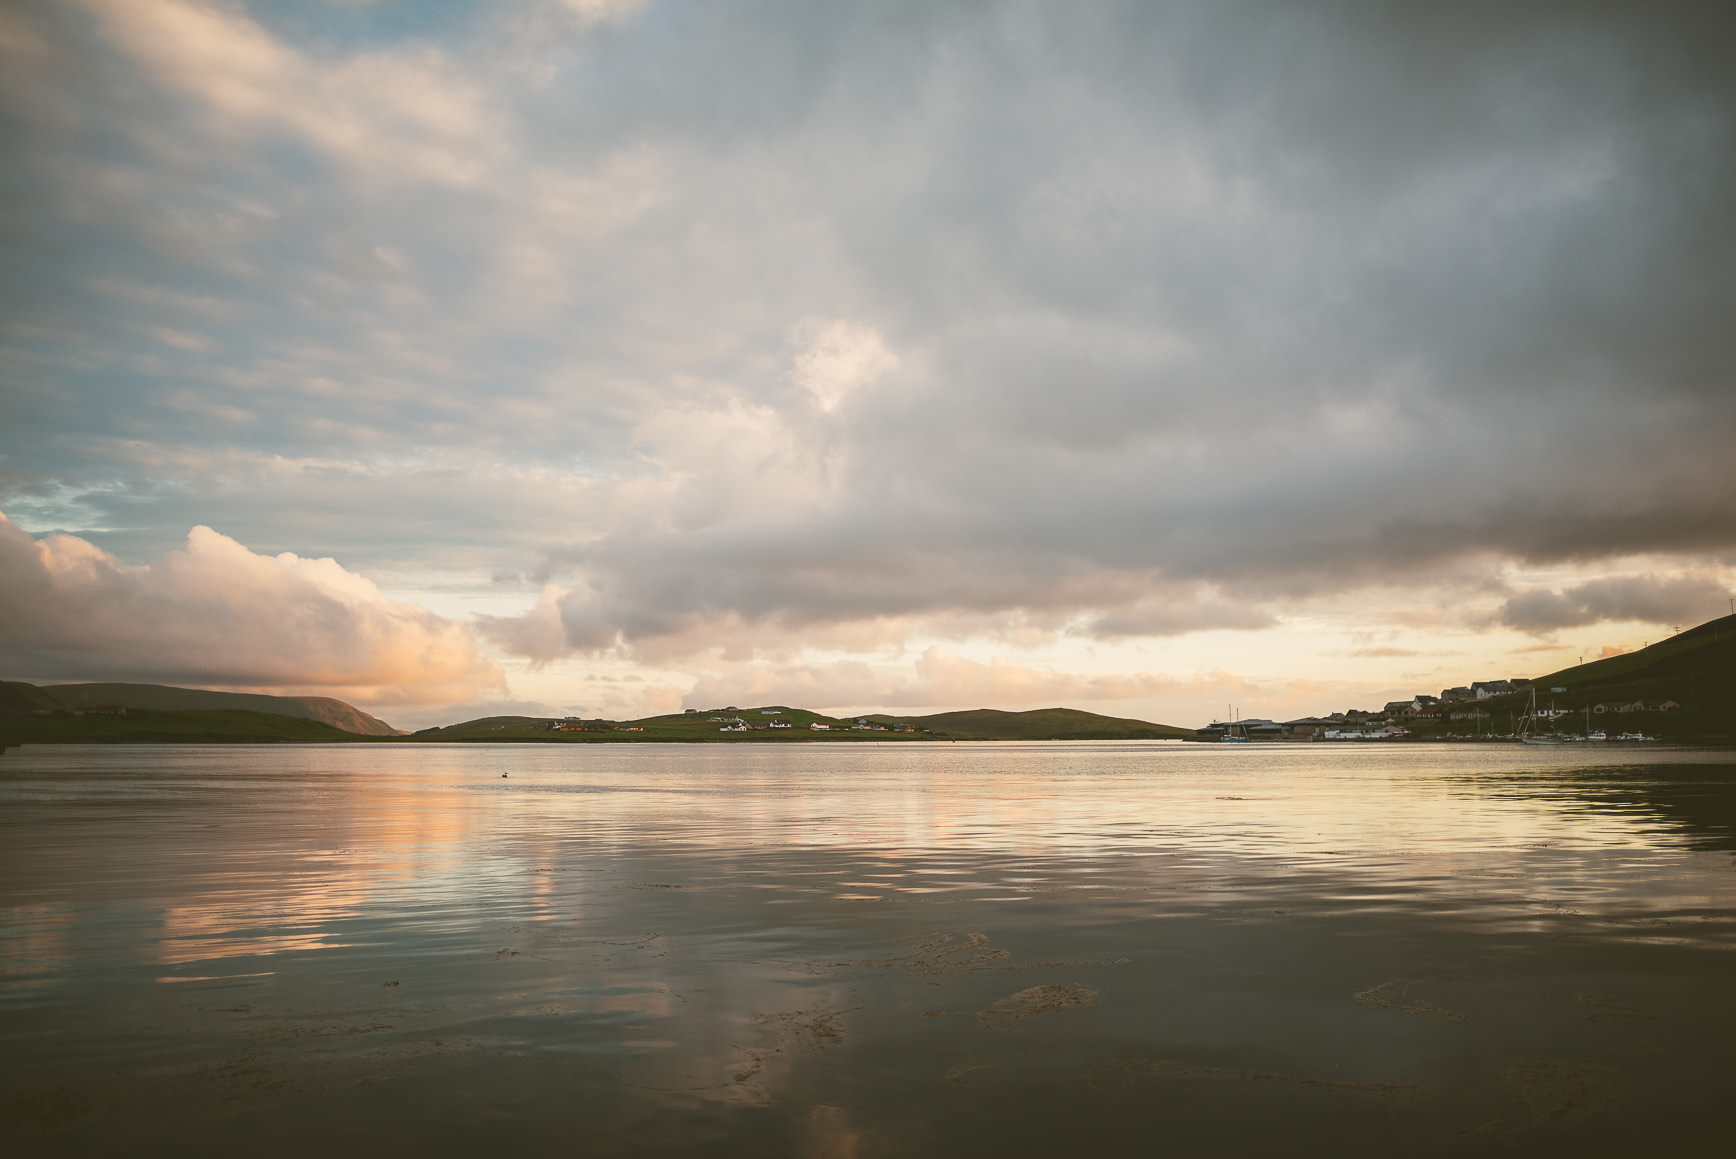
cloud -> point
(409, 113)
(940, 678)
(410, 719)
(1177, 615)
(217, 614)
(1647, 599)
(879, 596)
(602, 11)
(798, 321)
(837, 357)
(555, 627)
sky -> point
(610, 357)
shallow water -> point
(858, 950)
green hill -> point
(979, 724)
(164, 698)
(482, 727)
(1700, 654)
(1039, 724)
(680, 726)
(18, 699)
(173, 726)
(1696, 669)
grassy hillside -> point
(682, 726)
(20, 700)
(163, 697)
(1040, 724)
(481, 728)
(1696, 668)
(168, 727)
(1703, 652)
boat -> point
(1231, 736)
(1528, 733)
(1593, 734)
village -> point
(1464, 711)
(1485, 709)
(730, 719)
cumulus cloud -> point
(1649, 599)
(218, 614)
(1120, 323)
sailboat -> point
(1230, 734)
(1528, 731)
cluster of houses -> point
(575, 724)
(729, 719)
(862, 724)
(1388, 723)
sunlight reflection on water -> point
(1009, 948)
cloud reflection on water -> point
(689, 929)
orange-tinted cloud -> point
(217, 613)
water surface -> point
(865, 950)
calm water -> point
(866, 950)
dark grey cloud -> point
(1192, 308)
(1680, 600)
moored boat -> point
(1528, 733)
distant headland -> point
(151, 713)
(1682, 688)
